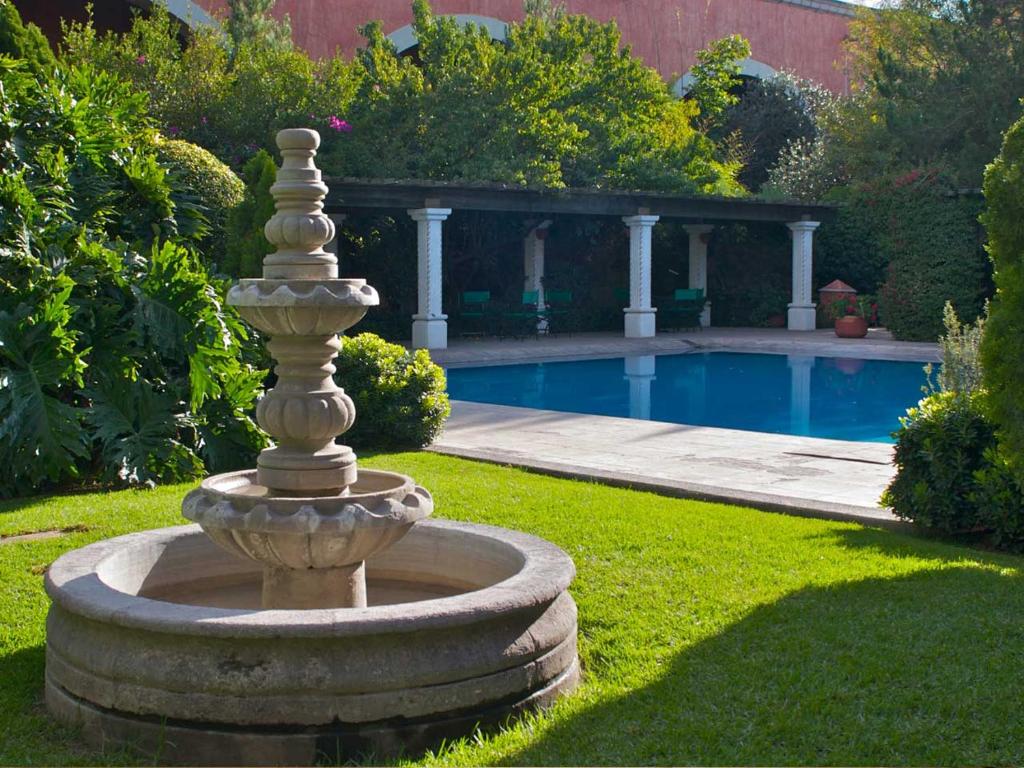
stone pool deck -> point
(834, 479)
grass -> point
(709, 633)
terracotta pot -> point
(777, 321)
(851, 327)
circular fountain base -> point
(157, 640)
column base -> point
(802, 317)
(289, 588)
(639, 323)
(430, 333)
(705, 315)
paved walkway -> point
(801, 475)
(878, 345)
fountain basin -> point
(156, 639)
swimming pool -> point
(839, 398)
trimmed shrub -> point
(247, 245)
(399, 394)
(215, 185)
(1003, 347)
(941, 444)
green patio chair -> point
(521, 322)
(682, 310)
(475, 313)
(563, 315)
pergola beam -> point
(348, 194)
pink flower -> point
(338, 124)
(203, 119)
(140, 60)
(173, 130)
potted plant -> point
(853, 315)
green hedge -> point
(1003, 348)
(932, 240)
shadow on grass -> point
(913, 670)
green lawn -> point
(709, 633)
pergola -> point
(429, 203)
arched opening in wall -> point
(750, 69)
(405, 42)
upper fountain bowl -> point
(302, 307)
(249, 520)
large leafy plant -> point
(118, 357)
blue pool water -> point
(840, 398)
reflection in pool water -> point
(841, 398)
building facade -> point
(800, 36)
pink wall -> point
(665, 33)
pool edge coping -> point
(879, 517)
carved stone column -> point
(533, 269)
(640, 313)
(429, 324)
(801, 315)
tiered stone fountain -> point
(341, 624)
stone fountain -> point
(313, 612)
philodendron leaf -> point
(41, 435)
(140, 432)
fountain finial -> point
(299, 229)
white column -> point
(429, 325)
(800, 367)
(640, 374)
(801, 311)
(699, 265)
(337, 219)
(640, 313)
(533, 267)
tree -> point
(559, 103)
(941, 80)
(27, 43)
(249, 22)
(1002, 348)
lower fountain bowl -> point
(155, 640)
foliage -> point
(118, 356)
(228, 98)
(961, 369)
(25, 42)
(1002, 349)
(940, 445)
(399, 394)
(862, 305)
(942, 80)
(771, 116)
(214, 184)
(246, 243)
(250, 22)
(716, 76)
(558, 104)
(1000, 496)
(847, 247)
(931, 240)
